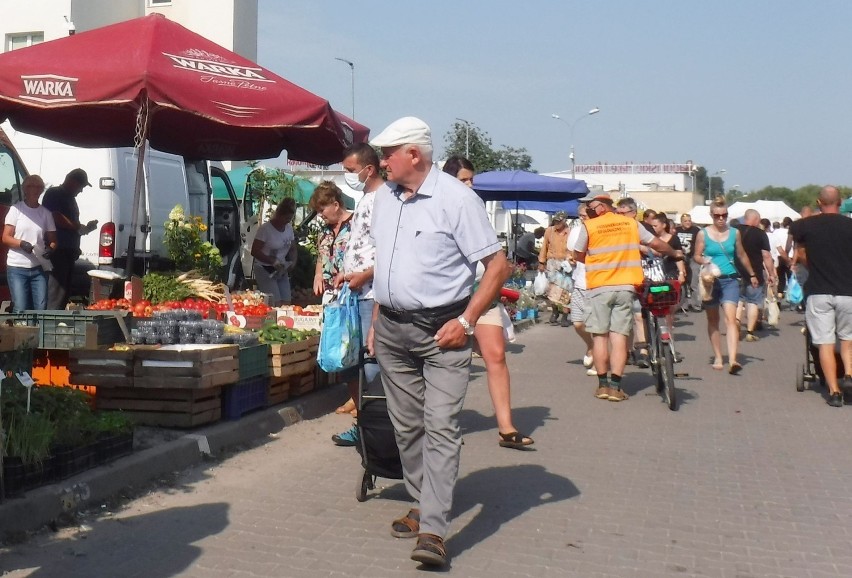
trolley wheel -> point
(365, 482)
(800, 377)
(667, 373)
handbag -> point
(340, 340)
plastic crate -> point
(244, 396)
(254, 361)
(71, 329)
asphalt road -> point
(748, 478)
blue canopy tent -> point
(570, 207)
(530, 191)
(525, 186)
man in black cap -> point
(62, 202)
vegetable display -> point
(272, 333)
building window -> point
(22, 40)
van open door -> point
(227, 226)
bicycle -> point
(657, 299)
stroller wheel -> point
(800, 377)
(365, 482)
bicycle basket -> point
(659, 295)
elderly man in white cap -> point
(429, 233)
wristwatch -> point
(468, 328)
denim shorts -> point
(724, 291)
(755, 295)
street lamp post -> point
(710, 184)
(466, 137)
(352, 69)
(572, 125)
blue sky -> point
(759, 88)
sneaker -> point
(347, 438)
(588, 360)
(752, 337)
(615, 394)
(591, 371)
(835, 399)
(554, 319)
(642, 360)
(602, 392)
(846, 382)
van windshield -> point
(11, 175)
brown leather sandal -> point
(430, 550)
(515, 440)
(408, 526)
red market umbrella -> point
(202, 100)
(152, 79)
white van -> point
(169, 180)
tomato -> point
(139, 310)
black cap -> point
(80, 176)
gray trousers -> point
(694, 269)
(425, 388)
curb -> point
(44, 505)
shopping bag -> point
(795, 295)
(340, 340)
(773, 312)
(540, 284)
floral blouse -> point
(330, 250)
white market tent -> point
(701, 215)
(772, 210)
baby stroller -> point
(376, 439)
(811, 371)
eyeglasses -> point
(720, 215)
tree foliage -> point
(805, 196)
(468, 140)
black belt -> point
(268, 268)
(432, 318)
(733, 276)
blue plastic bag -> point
(340, 340)
(795, 295)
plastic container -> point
(244, 396)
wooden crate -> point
(101, 367)
(163, 407)
(187, 366)
(291, 359)
(302, 384)
(279, 390)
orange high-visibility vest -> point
(613, 256)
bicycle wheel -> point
(667, 373)
(654, 352)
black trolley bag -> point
(376, 439)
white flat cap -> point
(407, 130)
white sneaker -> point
(591, 371)
(588, 361)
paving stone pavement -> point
(747, 479)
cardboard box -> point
(13, 337)
(301, 322)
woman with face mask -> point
(490, 340)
